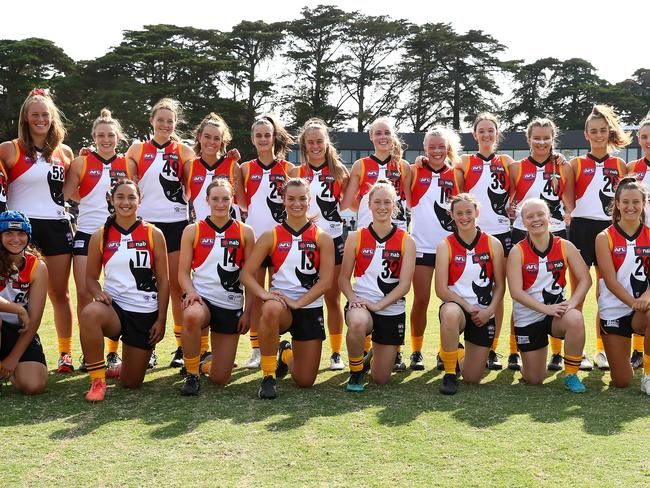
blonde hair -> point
(492, 118)
(105, 117)
(282, 140)
(215, 120)
(534, 201)
(618, 138)
(397, 146)
(332, 157)
(451, 138)
(55, 134)
(174, 107)
(644, 122)
(387, 186)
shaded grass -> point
(499, 433)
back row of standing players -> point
(40, 173)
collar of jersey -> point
(624, 234)
(216, 165)
(537, 163)
(264, 166)
(471, 245)
(381, 240)
(160, 146)
(379, 161)
(484, 158)
(542, 254)
(218, 230)
(105, 162)
(598, 160)
(128, 231)
(296, 233)
(317, 168)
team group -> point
(474, 219)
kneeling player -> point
(382, 257)
(536, 270)
(303, 263)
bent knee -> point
(32, 387)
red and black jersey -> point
(263, 185)
(471, 268)
(596, 182)
(373, 169)
(325, 198)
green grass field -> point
(500, 433)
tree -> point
(315, 46)
(632, 96)
(531, 82)
(371, 41)
(26, 64)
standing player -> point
(434, 183)
(321, 166)
(486, 175)
(546, 175)
(263, 179)
(470, 281)
(303, 264)
(36, 163)
(23, 288)
(623, 252)
(4, 182)
(161, 170)
(89, 179)
(213, 251)
(596, 177)
(537, 270)
(133, 301)
(639, 169)
(382, 257)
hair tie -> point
(39, 91)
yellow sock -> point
(268, 363)
(286, 356)
(461, 353)
(495, 343)
(368, 343)
(335, 342)
(572, 363)
(513, 344)
(97, 370)
(191, 364)
(65, 345)
(255, 343)
(205, 343)
(205, 367)
(416, 343)
(450, 359)
(356, 364)
(599, 340)
(637, 342)
(177, 334)
(556, 344)
(111, 345)
(646, 363)
(399, 348)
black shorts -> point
(506, 242)
(135, 327)
(9, 336)
(52, 237)
(479, 336)
(80, 244)
(534, 336)
(223, 320)
(519, 235)
(388, 329)
(621, 326)
(425, 259)
(307, 324)
(173, 231)
(339, 245)
(582, 234)
(267, 263)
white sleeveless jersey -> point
(160, 169)
(471, 270)
(262, 186)
(325, 199)
(216, 262)
(36, 186)
(377, 267)
(296, 260)
(16, 288)
(97, 176)
(595, 184)
(540, 180)
(488, 180)
(129, 267)
(631, 258)
(431, 191)
(200, 177)
(639, 169)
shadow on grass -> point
(602, 410)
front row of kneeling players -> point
(133, 304)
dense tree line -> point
(341, 66)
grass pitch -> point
(500, 433)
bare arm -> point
(261, 250)
(73, 178)
(244, 321)
(580, 271)
(608, 272)
(347, 267)
(569, 192)
(161, 271)
(185, 266)
(441, 279)
(352, 190)
(325, 273)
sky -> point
(609, 34)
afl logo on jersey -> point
(367, 252)
(207, 242)
(372, 174)
(619, 250)
(531, 268)
(284, 246)
(95, 173)
(477, 168)
(112, 245)
(198, 179)
(459, 259)
(529, 176)
(256, 177)
(425, 180)
(149, 156)
(136, 245)
(589, 171)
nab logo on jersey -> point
(136, 245)
(620, 250)
(118, 173)
(445, 183)
(326, 178)
(95, 173)
(229, 242)
(554, 265)
(531, 268)
(642, 251)
(207, 242)
(170, 157)
(495, 168)
(481, 258)
(529, 176)
(610, 172)
(388, 254)
(307, 245)
(284, 246)
(149, 156)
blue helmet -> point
(14, 220)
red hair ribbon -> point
(38, 91)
